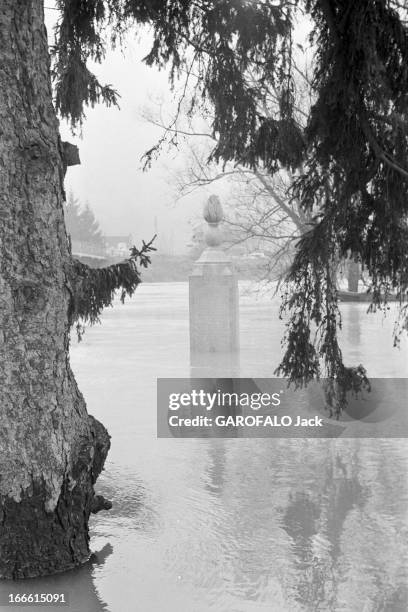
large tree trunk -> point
(51, 451)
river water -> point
(240, 525)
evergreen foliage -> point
(94, 288)
(351, 158)
(81, 223)
(357, 172)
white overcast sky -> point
(123, 197)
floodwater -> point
(239, 525)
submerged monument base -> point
(214, 301)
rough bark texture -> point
(50, 450)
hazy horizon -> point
(124, 198)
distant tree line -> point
(82, 224)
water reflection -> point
(354, 317)
(239, 525)
(320, 496)
(78, 586)
(315, 521)
(131, 499)
(216, 466)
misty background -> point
(112, 142)
(124, 198)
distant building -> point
(118, 246)
(89, 253)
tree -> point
(353, 153)
(259, 211)
(51, 450)
(351, 156)
(259, 214)
(81, 224)
(356, 151)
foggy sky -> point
(110, 178)
(123, 197)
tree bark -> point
(51, 451)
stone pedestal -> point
(213, 285)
